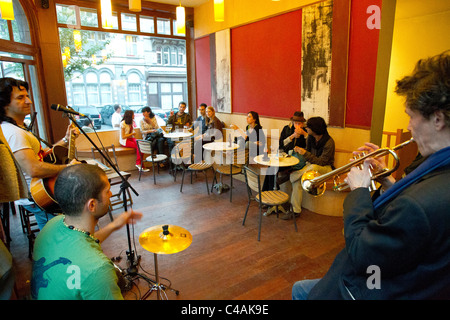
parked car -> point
(107, 111)
(90, 112)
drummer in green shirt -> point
(68, 261)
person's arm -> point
(394, 238)
(239, 130)
(324, 159)
(128, 217)
(34, 168)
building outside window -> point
(104, 68)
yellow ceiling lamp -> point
(181, 20)
(219, 10)
(77, 40)
(106, 14)
(134, 5)
(6, 7)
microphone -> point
(59, 107)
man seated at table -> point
(292, 135)
(199, 125)
(319, 156)
(180, 119)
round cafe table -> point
(177, 135)
(221, 147)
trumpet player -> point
(397, 246)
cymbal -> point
(165, 239)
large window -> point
(105, 67)
(21, 62)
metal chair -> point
(145, 147)
(270, 198)
(182, 157)
(240, 158)
(113, 178)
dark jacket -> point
(408, 238)
(285, 133)
(320, 152)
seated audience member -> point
(253, 138)
(199, 125)
(180, 119)
(292, 135)
(397, 245)
(319, 156)
(151, 130)
(127, 134)
(213, 131)
(68, 261)
(116, 117)
(15, 105)
(87, 126)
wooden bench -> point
(126, 157)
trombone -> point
(315, 184)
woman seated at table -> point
(127, 133)
(253, 138)
(151, 130)
(213, 131)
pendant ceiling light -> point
(181, 20)
(106, 14)
(77, 40)
(6, 7)
(134, 5)
(219, 10)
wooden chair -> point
(113, 178)
(240, 158)
(270, 198)
(182, 157)
(145, 147)
(29, 226)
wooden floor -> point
(225, 261)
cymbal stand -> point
(131, 272)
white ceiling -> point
(185, 3)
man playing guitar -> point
(15, 105)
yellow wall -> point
(422, 29)
(239, 12)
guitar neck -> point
(71, 152)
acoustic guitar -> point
(43, 189)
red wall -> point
(266, 63)
(203, 70)
(362, 64)
(265, 66)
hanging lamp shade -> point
(106, 14)
(181, 20)
(219, 10)
(134, 5)
(77, 40)
(6, 7)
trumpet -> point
(315, 184)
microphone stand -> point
(133, 263)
